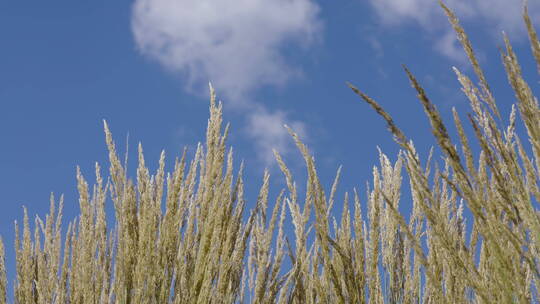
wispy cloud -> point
(269, 133)
(237, 46)
(448, 45)
(497, 15)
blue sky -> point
(144, 66)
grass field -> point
(205, 247)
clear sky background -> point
(144, 66)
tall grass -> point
(206, 248)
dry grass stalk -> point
(184, 237)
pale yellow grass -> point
(206, 248)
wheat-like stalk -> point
(185, 237)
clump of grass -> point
(202, 248)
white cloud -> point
(235, 44)
(448, 45)
(238, 46)
(269, 133)
(497, 15)
(427, 13)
